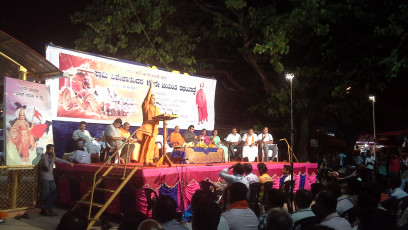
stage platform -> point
(179, 181)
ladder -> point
(112, 172)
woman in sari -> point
(215, 139)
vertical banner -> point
(100, 89)
(28, 121)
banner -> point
(100, 89)
(28, 121)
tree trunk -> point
(302, 148)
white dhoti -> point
(250, 152)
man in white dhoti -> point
(84, 140)
(250, 148)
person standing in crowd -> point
(150, 127)
(175, 139)
(234, 140)
(114, 140)
(394, 165)
(190, 136)
(250, 149)
(369, 165)
(84, 140)
(217, 141)
(265, 143)
(238, 172)
(287, 171)
(48, 186)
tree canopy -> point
(340, 51)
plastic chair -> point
(253, 198)
(306, 223)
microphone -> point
(284, 139)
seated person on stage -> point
(234, 140)
(175, 139)
(265, 142)
(190, 136)
(215, 139)
(124, 132)
(114, 140)
(204, 137)
(250, 149)
(84, 140)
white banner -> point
(101, 89)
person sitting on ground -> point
(131, 220)
(238, 172)
(279, 219)
(238, 215)
(206, 215)
(303, 200)
(275, 198)
(165, 211)
(250, 149)
(114, 140)
(250, 177)
(215, 139)
(190, 136)
(325, 210)
(73, 220)
(175, 139)
(200, 195)
(234, 141)
(124, 132)
(315, 188)
(84, 139)
(203, 137)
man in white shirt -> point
(250, 149)
(369, 165)
(265, 142)
(234, 140)
(250, 177)
(84, 140)
(238, 172)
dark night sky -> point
(36, 23)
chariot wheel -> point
(68, 98)
(90, 104)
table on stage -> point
(199, 155)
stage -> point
(179, 181)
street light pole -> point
(289, 77)
(372, 99)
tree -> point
(339, 51)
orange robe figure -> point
(149, 125)
(176, 138)
(201, 102)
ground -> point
(36, 222)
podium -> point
(164, 117)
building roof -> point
(14, 55)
